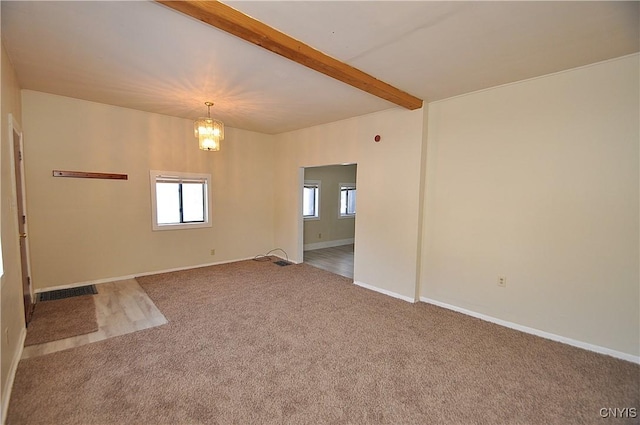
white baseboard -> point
(537, 332)
(327, 244)
(385, 292)
(133, 276)
(6, 392)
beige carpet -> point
(59, 319)
(255, 343)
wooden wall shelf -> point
(87, 175)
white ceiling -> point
(144, 56)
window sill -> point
(182, 226)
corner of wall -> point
(13, 327)
(7, 386)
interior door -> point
(18, 158)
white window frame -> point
(318, 184)
(155, 175)
(342, 186)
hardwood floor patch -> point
(121, 307)
(338, 259)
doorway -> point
(18, 176)
(328, 215)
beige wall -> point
(91, 229)
(330, 227)
(386, 228)
(11, 286)
(538, 181)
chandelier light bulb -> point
(210, 132)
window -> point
(179, 200)
(347, 199)
(311, 200)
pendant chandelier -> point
(209, 132)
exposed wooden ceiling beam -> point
(237, 23)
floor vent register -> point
(67, 293)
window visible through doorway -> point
(311, 200)
(180, 200)
(347, 200)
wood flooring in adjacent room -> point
(338, 259)
(121, 307)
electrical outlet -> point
(213, 252)
(502, 281)
(6, 335)
(319, 235)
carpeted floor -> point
(64, 318)
(254, 343)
